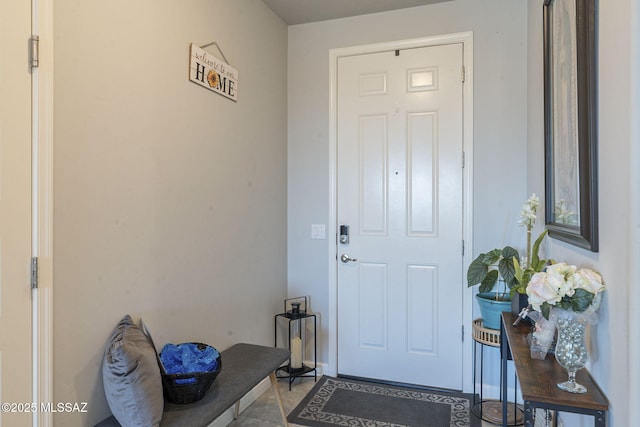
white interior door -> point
(400, 178)
(15, 212)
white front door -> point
(15, 213)
(400, 192)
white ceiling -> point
(295, 12)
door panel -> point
(421, 164)
(400, 191)
(373, 303)
(15, 210)
(421, 292)
(373, 191)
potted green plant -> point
(487, 270)
(505, 266)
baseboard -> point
(320, 368)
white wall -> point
(170, 200)
(500, 167)
(619, 225)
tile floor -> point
(264, 411)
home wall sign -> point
(212, 73)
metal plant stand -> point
(489, 410)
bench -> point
(243, 367)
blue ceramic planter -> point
(490, 308)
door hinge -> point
(463, 160)
(462, 333)
(34, 272)
(463, 74)
(462, 247)
(35, 51)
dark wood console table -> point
(539, 378)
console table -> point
(539, 378)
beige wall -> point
(170, 200)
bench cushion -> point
(244, 367)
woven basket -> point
(191, 387)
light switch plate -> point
(318, 231)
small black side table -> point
(287, 371)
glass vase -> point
(571, 349)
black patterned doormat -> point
(342, 402)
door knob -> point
(345, 258)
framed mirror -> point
(570, 121)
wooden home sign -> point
(212, 73)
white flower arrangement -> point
(529, 212)
(567, 287)
(531, 263)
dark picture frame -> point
(570, 121)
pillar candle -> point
(296, 353)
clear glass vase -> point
(571, 349)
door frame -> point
(42, 209)
(466, 38)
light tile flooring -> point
(264, 411)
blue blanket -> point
(188, 358)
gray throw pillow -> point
(131, 377)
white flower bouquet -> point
(567, 287)
(561, 290)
